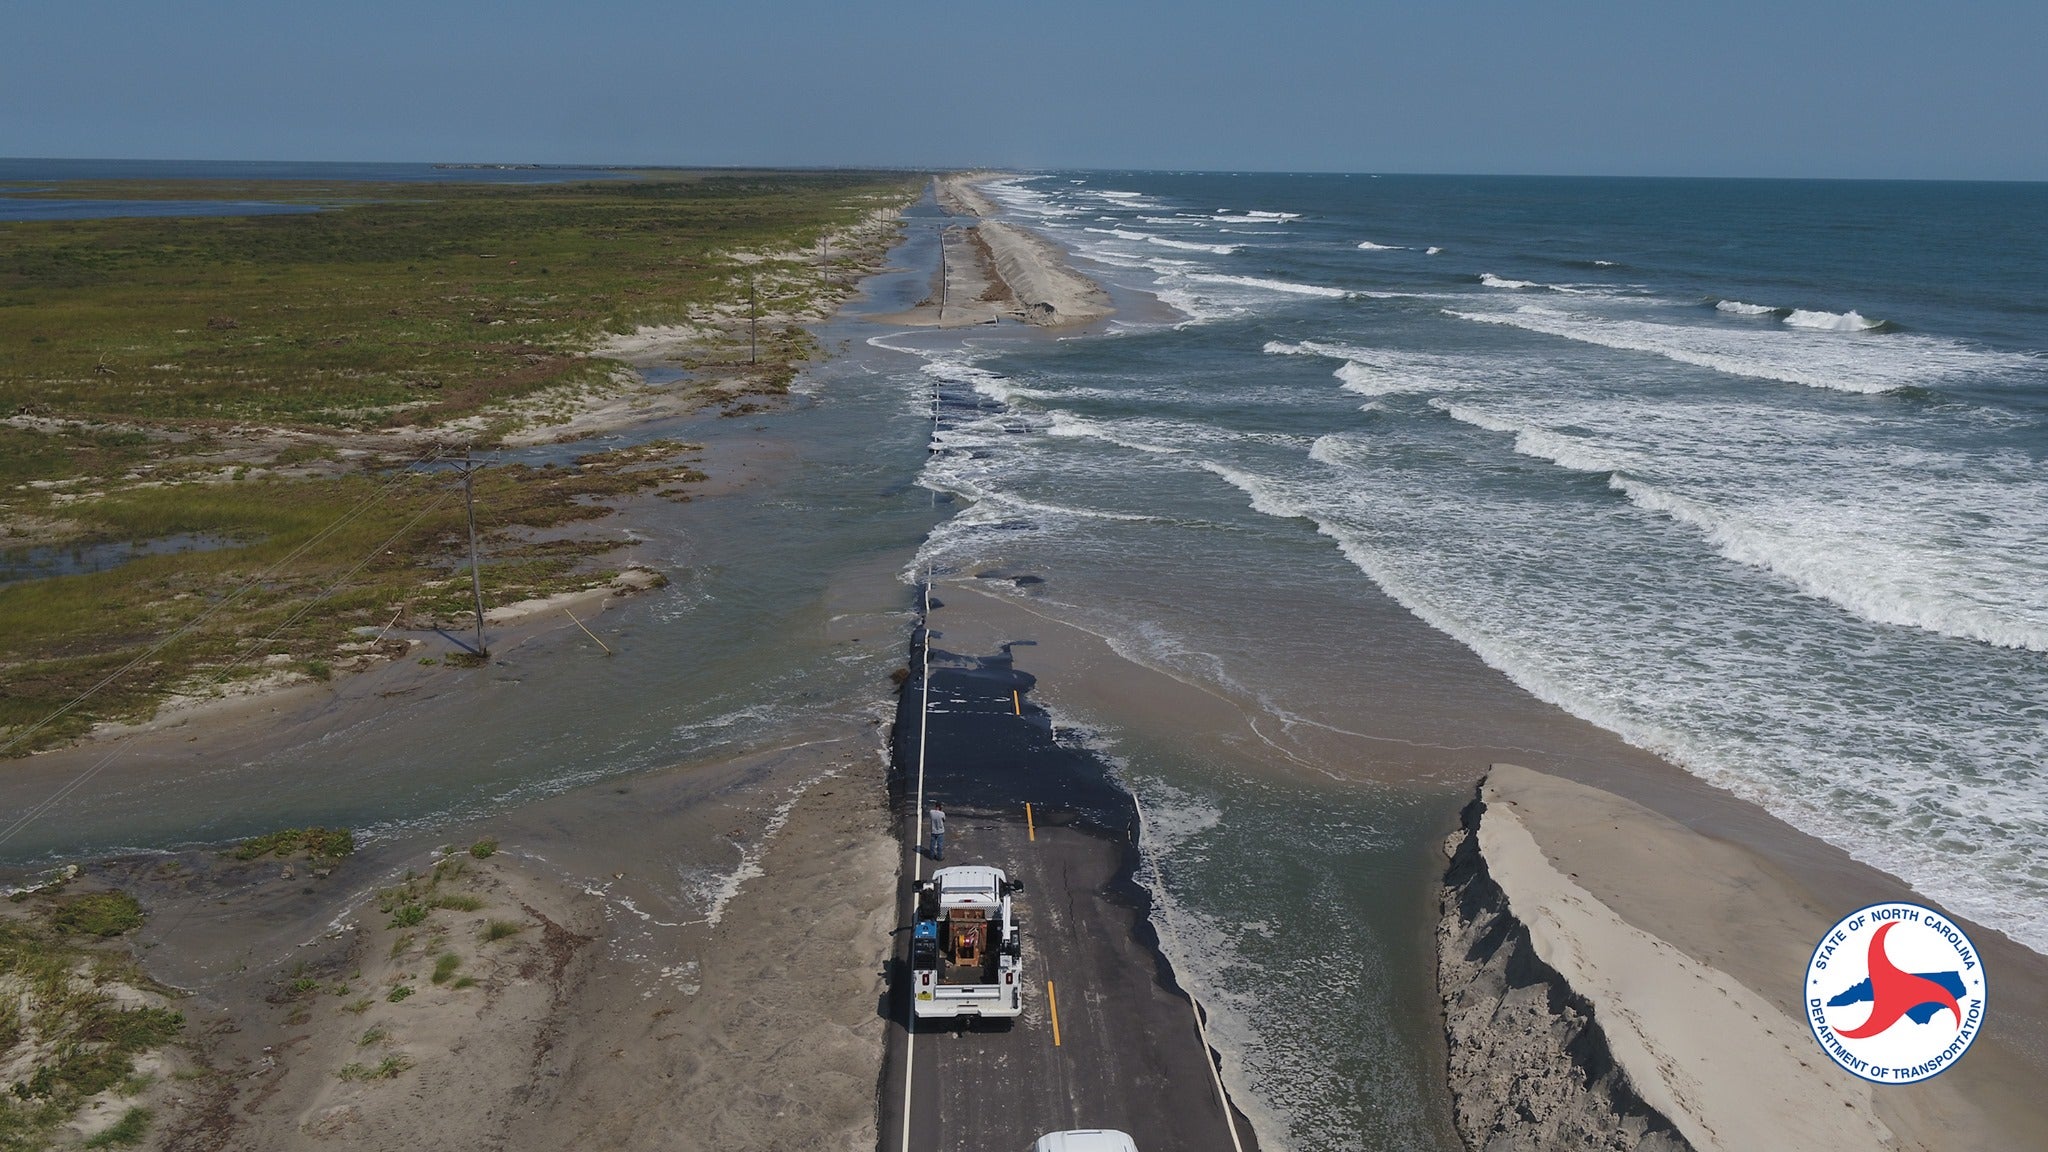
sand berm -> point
(1658, 1014)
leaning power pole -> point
(468, 469)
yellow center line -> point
(1029, 826)
(1052, 999)
(1016, 702)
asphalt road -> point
(1107, 1039)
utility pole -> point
(476, 582)
(942, 276)
(753, 321)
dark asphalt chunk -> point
(981, 755)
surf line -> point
(924, 711)
(1209, 1054)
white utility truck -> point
(965, 950)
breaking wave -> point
(1192, 246)
(1165, 242)
(1738, 308)
(1850, 321)
(1845, 365)
(1894, 559)
(1288, 286)
(1835, 321)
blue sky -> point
(1650, 88)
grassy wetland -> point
(235, 401)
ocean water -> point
(1749, 473)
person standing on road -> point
(938, 831)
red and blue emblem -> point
(1895, 992)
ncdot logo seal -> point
(1895, 993)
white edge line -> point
(1209, 1054)
(916, 839)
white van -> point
(1085, 1140)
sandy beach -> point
(1678, 967)
(1601, 949)
(996, 271)
(1682, 947)
(548, 993)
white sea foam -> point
(1288, 287)
(1016, 195)
(1191, 246)
(1338, 451)
(1167, 242)
(1832, 321)
(1824, 505)
(1380, 372)
(1369, 246)
(1432, 250)
(1492, 281)
(1851, 321)
(1817, 360)
(1313, 348)
(1710, 712)
(1209, 296)
(1170, 821)
(1578, 453)
(1066, 424)
(714, 891)
(1267, 497)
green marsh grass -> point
(426, 302)
(126, 1132)
(445, 966)
(137, 349)
(85, 1041)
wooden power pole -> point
(476, 580)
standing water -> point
(1748, 474)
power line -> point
(218, 606)
(330, 590)
(75, 783)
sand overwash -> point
(997, 270)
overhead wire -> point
(221, 605)
(75, 783)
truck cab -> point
(966, 952)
